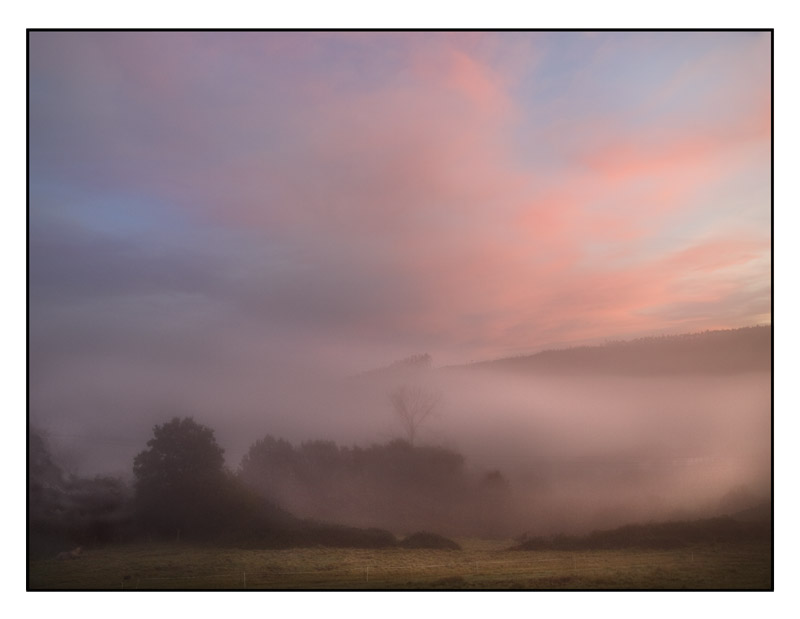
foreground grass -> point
(480, 565)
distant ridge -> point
(748, 349)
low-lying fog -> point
(578, 451)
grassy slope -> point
(480, 565)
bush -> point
(423, 539)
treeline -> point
(317, 493)
(748, 349)
(395, 485)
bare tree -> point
(412, 406)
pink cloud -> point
(417, 175)
(660, 154)
(715, 255)
(476, 82)
(407, 185)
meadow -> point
(482, 564)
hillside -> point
(659, 535)
(748, 349)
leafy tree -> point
(322, 460)
(43, 471)
(269, 465)
(98, 509)
(179, 478)
(66, 509)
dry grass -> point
(480, 565)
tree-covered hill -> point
(748, 349)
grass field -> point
(480, 565)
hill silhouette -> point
(748, 349)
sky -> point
(358, 197)
(227, 206)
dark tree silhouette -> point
(268, 465)
(43, 472)
(412, 406)
(67, 509)
(178, 479)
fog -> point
(605, 450)
(578, 451)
